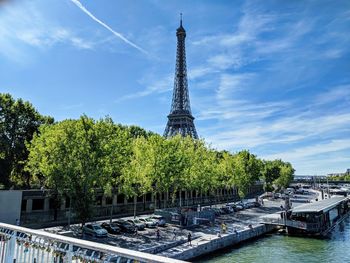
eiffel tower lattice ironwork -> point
(180, 119)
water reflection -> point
(279, 248)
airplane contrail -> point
(78, 4)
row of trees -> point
(340, 177)
(75, 157)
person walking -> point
(158, 234)
(189, 238)
(174, 233)
(223, 227)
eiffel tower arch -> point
(180, 119)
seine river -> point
(285, 249)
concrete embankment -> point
(204, 245)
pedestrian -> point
(189, 238)
(18, 223)
(174, 232)
(158, 234)
(136, 231)
(223, 228)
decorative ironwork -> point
(180, 119)
(22, 245)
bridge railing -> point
(292, 223)
(24, 245)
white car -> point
(149, 222)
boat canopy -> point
(320, 206)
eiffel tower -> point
(180, 119)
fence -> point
(24, 245)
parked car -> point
(111, 228)
(95, 230)
(230, 208)
(226, 210)
(257, 204)
(232, 205)
(149, 222)
(160, 220)
(239, 207)
(125, 226)
(137, 223)
(218, 211)
(249, 205)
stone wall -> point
(10, 206)
(225, 241)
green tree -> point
(271, 171)
(286, 175)
(227, 169)
(158, 154)
(136, 178)
(247, 170)
(19, 120)
(204, 169)
(178, 160)
(74, 157)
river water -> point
(277, 248)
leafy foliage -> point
(19, 120)
(75, 157)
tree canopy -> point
(73, 158)
(19, 120)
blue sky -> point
(268, 76)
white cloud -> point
(158, 86)
(298, 154)
(23, 25)
(43, 38)
(231, 83)
(334, 94)
(117, 34)
(199, 72)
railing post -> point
(10, 250)
(69, 254)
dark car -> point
(159, 219)
(226, 210)
(125, 226)
(111, 228)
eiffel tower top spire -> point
(181, 21)
(180, 119)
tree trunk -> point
(135, 203)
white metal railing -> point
(24, 245)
